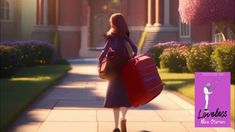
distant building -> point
(81, 24)
(17, 18)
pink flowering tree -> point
(220, 12)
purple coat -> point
(116, 95)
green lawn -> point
(184, 83)
(18, 92)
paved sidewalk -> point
(75, 105)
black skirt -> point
(116, 95)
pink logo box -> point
(212, 99)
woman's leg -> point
(123, 119)
(116, 116)
(123, 112)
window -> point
(218, 37)
(4, 10)
(185, 30)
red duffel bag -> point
(142, 80)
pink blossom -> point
(206, 11)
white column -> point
(45, 12)
(166, 12)
(57, 13)
(157, 17)
(149, 12)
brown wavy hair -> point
(118, 26)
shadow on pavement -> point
(75, 91)
(175, 84)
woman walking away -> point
(116, 96)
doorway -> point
(100, 12)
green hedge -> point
(224, 59)
(15, 55)
(8, 60)
(204, 56)
(173, 60)
(35, 52)
(155, 54)
(157, 49)
(199, 58)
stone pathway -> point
(75, 105)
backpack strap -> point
(129, 48)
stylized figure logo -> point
(207, 93)
(212, 99)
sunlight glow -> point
(39, 78)
(115, 1)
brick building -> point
(81, 24)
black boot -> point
(116, 130)
(123, 125)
